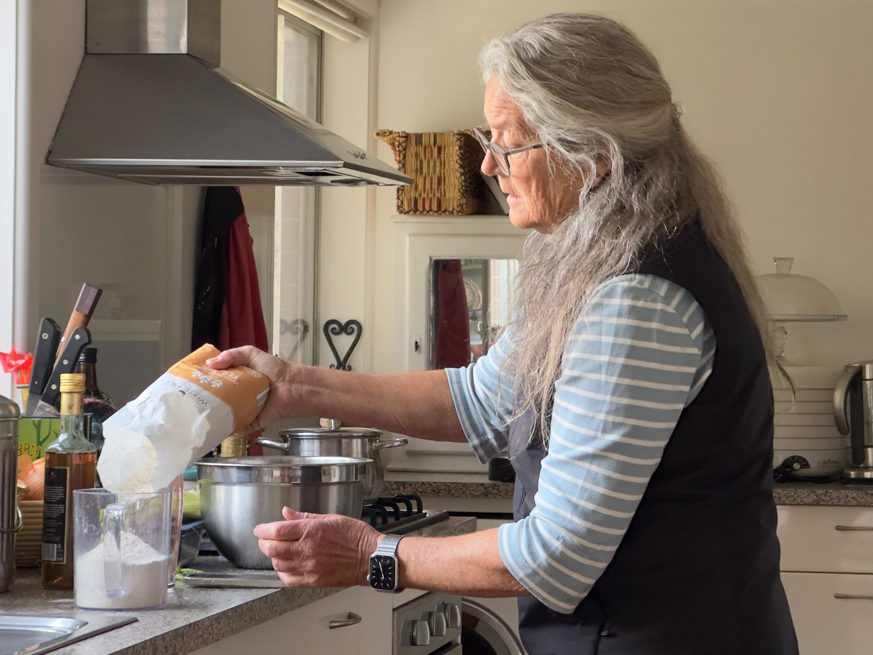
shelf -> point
(421, 218)
(125, 330)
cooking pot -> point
(238, 493)
(340, 442)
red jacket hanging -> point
(227, 305)
(242, 316)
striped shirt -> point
(637, 356)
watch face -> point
(383, 572)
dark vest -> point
(698, 568)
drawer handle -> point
(853, 528)
(351, 619)
(852, 596)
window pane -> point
(294, 304)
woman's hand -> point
(278, 371)
(318, 550)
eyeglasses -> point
(498, 154)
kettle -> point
(853, 415)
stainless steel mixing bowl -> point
(238, 493)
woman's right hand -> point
(281, 374)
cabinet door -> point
(417, 242)
(826, 539)
(831, 611)
(340, 624)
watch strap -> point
(388, 544)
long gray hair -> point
(593, 92)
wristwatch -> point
(383, 565)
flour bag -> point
(179, 418)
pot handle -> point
(281, 445)
(390, 443)
(113, 518)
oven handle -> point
(457, 650)
(351, 619)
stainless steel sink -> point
(22, 634)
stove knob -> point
(415, 633)
(452, 612)
(436, 621)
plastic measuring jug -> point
(121, 546)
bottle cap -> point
(233, 446)
(89, 354)
(72, 382)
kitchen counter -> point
(193, 617)
(785, 493)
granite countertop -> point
(193, 617)
(823, 494)
(785, 493)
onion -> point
(32, 475)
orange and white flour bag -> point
(179, 418)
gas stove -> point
(400, 514)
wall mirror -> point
(471, 301)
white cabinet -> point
(350, 622)
(827, 571)
(354, 621)
(417, 241)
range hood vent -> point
(150, 104)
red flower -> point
(17, 363)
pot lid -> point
(791, 297)
(322, 433)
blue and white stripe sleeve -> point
(636, 358)
(484, 399)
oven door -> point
(484, 632)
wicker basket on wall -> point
(444, 167)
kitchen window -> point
(298, 85)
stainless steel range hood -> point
(150, 104)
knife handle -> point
(67, 362)
(45, 350)
(44, 353)
(81, 314)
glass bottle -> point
(70, 463)
(97, 402)
(88, 366)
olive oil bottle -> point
(70, 463)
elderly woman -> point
(631, 393)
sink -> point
(22, 634)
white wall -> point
(135, 241)
(248, 51)
(8, 45)
(347, 249)
(72, 227)
(777, 92)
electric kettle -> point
(853, 414)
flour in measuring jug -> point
(143, 575)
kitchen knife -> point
(45, 351)
(67, 362)
(81, 314)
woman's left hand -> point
(318, 550)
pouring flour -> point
(176, 420)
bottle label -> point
(55, 523)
